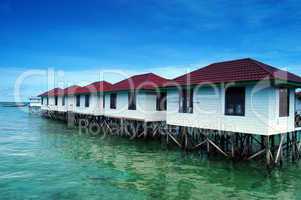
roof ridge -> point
(144, 74)
(263, 66)
(153, 74)
(228, 61)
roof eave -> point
(286, 83)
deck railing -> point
(298, 119)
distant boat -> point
(35, 104)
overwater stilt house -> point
(240, 101)
(138, 98)
(137, 102)
(88, 100)
(234, 96)
(242, 109)
(49, 99)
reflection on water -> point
(42, 159)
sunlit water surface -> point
(43, 159)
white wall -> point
(261, 111)
(51, 105)
(60, 106)
(95, 107)
(145, 107)
(44, 104)
(283, 124)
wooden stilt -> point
(267, 151)
(294, 149)
(279, 151)
(185, 132)
(208, 146)
(122, 127)
(272, 144)
(70, 119)
(233, 145)
(145, 131)
(256, 154)
(217, 147)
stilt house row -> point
(244, 96)
(136, 98)
(82, 100)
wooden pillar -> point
(122, 127)
(273, 144)
(288, 142)
(251, 144)
(248, 151)
(184, 137)
(294, 152)
(267, 150)
(70, 119)
(262, 141)
(233, 145)
(208, 147)
(145, 132)
(279, 155)
(222, 141)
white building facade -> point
(145, 108)
(243, 96)
(260, 115)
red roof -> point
(143, 81)
(234, 71)
(71, 90)
(53, 92)
(99, 86)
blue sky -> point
(76, 40)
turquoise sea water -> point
(42, 159)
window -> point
(87, 100)
(284, 99)
(235, 101)
(63, 100)
(161, 103)
(103, 100)
(78, 101)
(113, 98)
(47, 101)
(132, 100)
(55, 100)
(186, 101)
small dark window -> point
(42, 100)
(47, 100)
(63, 100)
(161, 103)
(284, 102)
(235, 101)
(132, 100)
(87, 100)
(186, 101)
(55, 100)
(78, 101)
(103, 100)
(113, 99)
